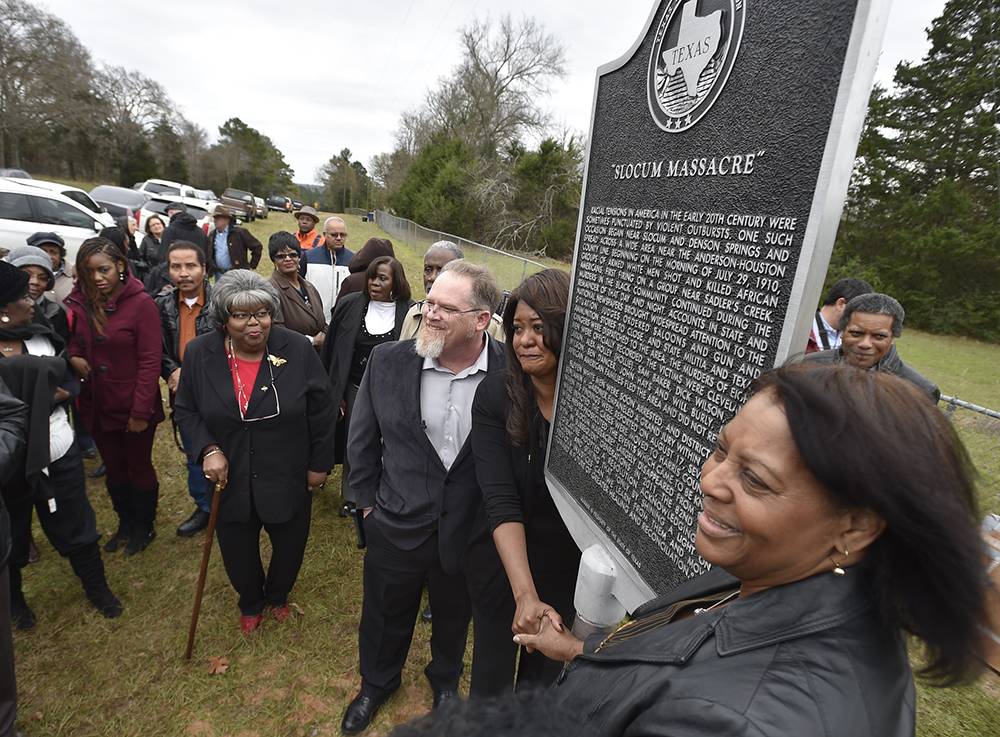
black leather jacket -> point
(13, 421)
(807, 658)
(170, 319)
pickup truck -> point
(240, 203)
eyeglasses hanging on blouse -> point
(242, 398)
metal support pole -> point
(597, 610)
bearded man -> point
(412, 470)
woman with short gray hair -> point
(246, 391)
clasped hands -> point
(538, 626)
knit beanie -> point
(21, 256)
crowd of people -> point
(838, 504)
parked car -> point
(119, 201)
(261, 210)
(186, 192)
(15, 173)
(158, 206)
(296, 204)
(25, 210)
(280, 203)
(240, 203)
(74, 193)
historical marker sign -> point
(720, 152)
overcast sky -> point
(318, 76)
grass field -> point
(83, 676)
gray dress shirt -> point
(446, 404)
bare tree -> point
(494, 96)
(44, 76)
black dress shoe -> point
(194, 524)
(360, 713)
(444, 698)
(426, 615)
(97, 472)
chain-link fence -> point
(509, 270)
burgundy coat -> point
(125, 362)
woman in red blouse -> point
(115, 349)
(256, 403)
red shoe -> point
(281, 613)
(249, 623)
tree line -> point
(480, 157)
(922, 219)
(64, 114)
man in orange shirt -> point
(307, 234)
(182, 318)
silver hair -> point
(485, 293)
(241, 289)
(331, 218)
(875, 303)
(448, 246)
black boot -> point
(89, 568)
(20, 613)
(120, 499)
(142, 532)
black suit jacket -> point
(396, 470)
(268, 459)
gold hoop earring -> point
(838, 570)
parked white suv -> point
(76, 194)
(180, 192)
(25, 210)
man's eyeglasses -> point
(287, 256)
(336, 235)
(259, 315)
(447, 310)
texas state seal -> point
(694, 50)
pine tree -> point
(922, 220)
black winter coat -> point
(183, 227)
(268, 458)
(13, 425)
(338, 349)
(807, 658)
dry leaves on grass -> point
(217, 665)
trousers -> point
(198, 486)
(239, 543)
(393, 582)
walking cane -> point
(205, 553)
